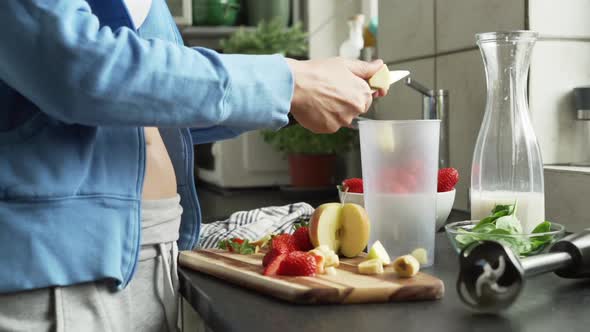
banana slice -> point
(406, 266)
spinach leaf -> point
(503, 226)
(509, 223)
(543, 227)
(499, 208)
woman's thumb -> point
(365, 69)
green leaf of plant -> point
(222, 245)
(295, 139)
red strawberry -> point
(302, 240)
(298, 263)
(284, 243)
(273, 266)
(354, 185)
(447, 179)
(270, 256)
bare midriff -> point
(160, 180)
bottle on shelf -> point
(351, 48)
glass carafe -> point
(507, 165)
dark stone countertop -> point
(547, 303)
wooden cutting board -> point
(347, 286)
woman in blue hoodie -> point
(96, 188)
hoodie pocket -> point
(26, 130)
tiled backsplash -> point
(557, 67)
(406, 29)
(564, 18)
(435, 39)
(566, 196)
(457, 21)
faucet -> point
(435, 106)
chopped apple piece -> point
(381, 79)
(378, 251)
(332, 260)
(371, 266)
(406, 266)
(320, 261)
(331, 271)
(385, 138)
(421, 255)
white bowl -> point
(351, 198)
(444, 204)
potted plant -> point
(312, 157)
(268, 38)
(265, 10)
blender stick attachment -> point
(491, 277)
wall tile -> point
(463, 75)
(565, 18)
(402, 102)
(566, 197)
(556, 68)
(457, 21)
(406, 29)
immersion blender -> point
(491, 277)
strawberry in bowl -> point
(351, 190)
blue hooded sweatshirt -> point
(78, 83)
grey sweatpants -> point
(148, 304)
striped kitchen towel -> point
(254, 224)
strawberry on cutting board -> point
(447, 179)
(298, 263)
(284, 243)
(279, 245)
(301, 236)
(273, 265)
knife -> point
(394, 76)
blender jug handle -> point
(435, 106)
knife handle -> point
(578, 247)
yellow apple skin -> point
(344, 228)
(354, 231)
(324, 225)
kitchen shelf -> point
(208, 36)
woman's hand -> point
(329, 93)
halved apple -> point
(344, 228)
(324, 225)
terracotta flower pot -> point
(312, 170)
